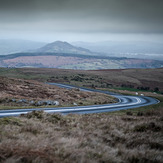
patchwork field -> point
(74, 61)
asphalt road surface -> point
(124, 102)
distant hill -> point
(63, 47)
(14, 46)
(74, 61)
(130, 49)
(64, 55)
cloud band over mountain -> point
(81, 17)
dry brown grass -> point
(151, 78)
(41, 137)
(11, 88)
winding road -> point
(125, 102)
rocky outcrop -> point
(35, 103)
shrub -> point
(129, 113)
(31, 128)
(152, 126)
(10, 120)
(34, 114)
(155, 145)
(140, 113)
(144, 127)
(140, 128)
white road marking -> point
(121, 103)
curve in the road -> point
(125, 102)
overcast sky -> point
(82, 20)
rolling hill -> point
(63, 47)
(66, 56)
(130, 49)
(73, 61)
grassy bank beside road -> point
(125, 136)
(20, 93)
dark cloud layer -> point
(82, 16)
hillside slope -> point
(148, 79)
(63, 55)
(63, 47)
(74, 61)
(20, 92)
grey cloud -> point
(82, 16)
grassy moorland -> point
(20, 93)
(126, 79)
(126, 136)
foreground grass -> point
(41, 137)
(125, 136)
